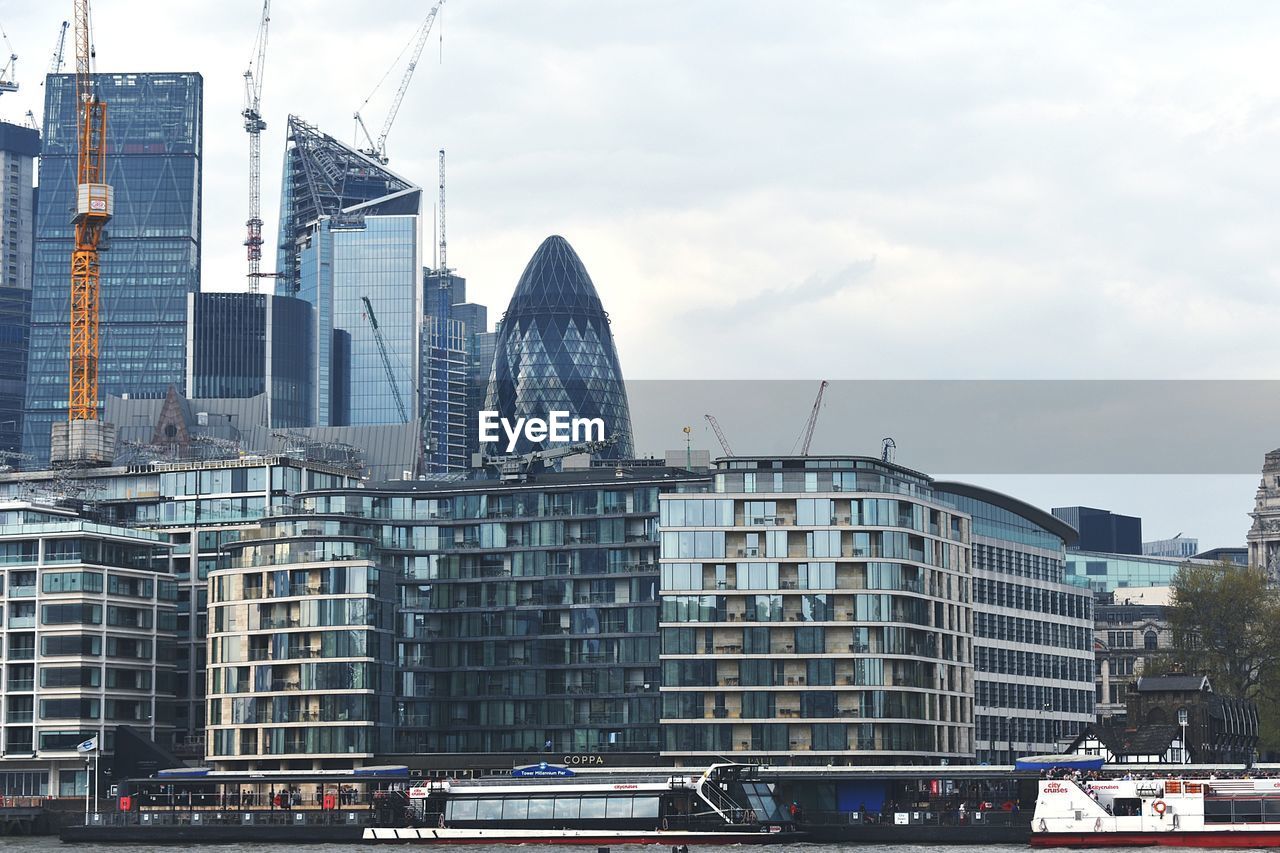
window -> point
(71, 614)
(1150, 641)
(72, 582)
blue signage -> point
(542, 769)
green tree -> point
(1226, 624)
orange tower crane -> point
(94, 206)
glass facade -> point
(804, 624)
(88, 615)
(444, 395)
(154, 133)
(554, 352)
(1032, 634)
(344, 262)
(242, 344)
(18, 148)
(1105, 572)
(322, 177)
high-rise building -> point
(477, 352)
(444, 395)
(1033, 653)
(816, 611)
(244, 344)
(90, 623)
(351, 246)
(18, 148)
(1103, 530)
(154, 144)
(554, 352)
(523, 613)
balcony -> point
(22, 591)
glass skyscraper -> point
(245, 344)
(351, 242)
(154, 133)
(18, 149)
(554, 351)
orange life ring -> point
(1159, 807)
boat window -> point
(760, 798)
(1126, 807)
(489, 810)
(619, 807)
(592, 807)
(566, 808)
(1217, 811)
(1271, 810)
(515, 809)
(645, 807)
(461, 810)
(1248, 811)
(540, 808)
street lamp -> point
(1182, 721)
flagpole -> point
(86, 789)
(97, 753)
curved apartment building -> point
(299, 646)
(816, 610)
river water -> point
(51, 844)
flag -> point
(88, 746)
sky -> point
(985, 189)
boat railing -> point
(933, 816)
(230, 817)
(709, 790)
(610, 780)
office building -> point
(444, 395)
(89, 627)
(240, 345)
(523, 614)
(816, 611)
(351, 246)
(1230, 554)
(153, 160)
(199, 507)
(1103, 530)
(1032, 633)
(1178, 546)
(19, 147)
(554, 352)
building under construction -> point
(351, 245)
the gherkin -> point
(554, 352)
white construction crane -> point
(55, 64)
(8, 74)
(807, 435)
(378, 148)
(254, 124)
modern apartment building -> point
(816, 611)
(523, 614)
(199, 507)
(88, 621)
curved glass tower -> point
(555, 352)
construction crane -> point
(8, 74)
(94, 206)
(807, 435)
(254, 124)
(378, 148)
(55, 65)
(386, 359)
(715, 427)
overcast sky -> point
(822, 189)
